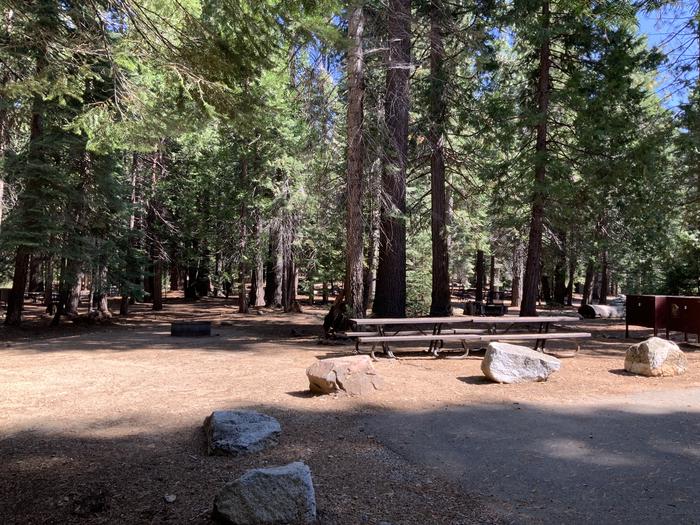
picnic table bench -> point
(437, 330)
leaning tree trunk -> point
(534, 249)
(441, 304)
(390, 295)
(355, 160)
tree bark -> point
(48, 285)
(390, 296)
(546, 289)
(102, 296)
(271, 274)
(34, 273)
(441, 303)
(157, 283)
(560, 277)
(257, 283)
(604, 279)
(480, 276)
(354, 282)
(492, 280)
(587, 284)
(74, 277)
(532, 265)
(572, 276)
(516, 288)
(15, 301)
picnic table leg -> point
(544, 341)
(385, 346)
(437, 330)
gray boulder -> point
(236, 432)
(353, 375)
(507, 363)
(655, 357)
(277, 495)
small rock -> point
(268, 496)
(507, 363)
(236, 432)
(170, 498)
(353, 375)
(655, 357)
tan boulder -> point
(656, 357)
(353, 375)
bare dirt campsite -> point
(321, 262)
(99, 423)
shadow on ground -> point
(634, 461)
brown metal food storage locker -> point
(683, 315)
(649, 311)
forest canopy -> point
(264, 148)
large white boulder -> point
(353, 375)
(507, 363)
(236, 432)
(268, 496)
(655, 357)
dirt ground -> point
(99, 423)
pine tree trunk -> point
(48, 285)
(560, 272)
(604, 279)
(34, 272)
(532, 265)
(174, 274)
(572, 276)
(354, 282)
(157, 284)
(492, 280)
(441, 303)
(516, 288)
(480, 276)
(390, 296)
(271, 275)
(75, 276)
(124, 306)
(277, 298)
(102, 297)
(257, 282)
(588, 283)
(546, 289)
(15, 301)
(242, 296)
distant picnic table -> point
(437, 330)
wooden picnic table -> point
(437, 324)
